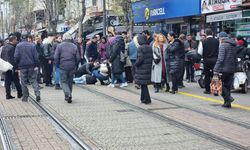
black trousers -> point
(145, 97)
(174, 78)
(190, 70)
(227, 81)
(181, 75)
(208, 71)
(48, 69)
(9, 77)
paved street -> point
(114, 119)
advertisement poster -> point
(211, 6)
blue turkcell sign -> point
(155, 10)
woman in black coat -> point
(143, 68)
(173, 56)
(117, 66)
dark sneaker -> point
(231, 99)
(57, 87)
(49, 85)
(25, 99)
(19, 95)
(38, 98)
(226, 105)
(207, 92)
(70, 100)
(10, 97)
(193, 81)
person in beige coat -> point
(159, 73)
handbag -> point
(5, 66)
(216, 85)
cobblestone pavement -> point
(28, 128)
(226, 130)
(111, 125)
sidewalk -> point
(111, 125)
(28, 127)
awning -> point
(89, 36)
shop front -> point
(169, 15)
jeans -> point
(67, 82)
(57, 75)
(121, 77)
(30, 75)
(227, 82)
(80, 80)
(9, 77)
(99, 76)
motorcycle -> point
(242, 75)
(199, 74)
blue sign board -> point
(155, 10)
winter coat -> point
(26, 55)
(40, 52)
(226, 62)
(67, 56)
(47, 47)
(132, 50)
(7, 54)
(102, 51)
(156, 75)
(91, 50)
(173, 56)
(53, 49)
(119, 45)
(143, 62)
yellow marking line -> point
(213, 100)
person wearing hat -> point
(226, 65)
(67, 58)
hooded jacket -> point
(226, 62)
(143, 62)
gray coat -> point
(67, 56)
(226, 62)
(156, 74)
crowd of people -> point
(159, 59)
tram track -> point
(70, 135)
(4, 136)
(171, 121)
(209, 114)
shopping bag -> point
(5, 66)
(216, 85)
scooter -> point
(242, 75)
(199, 74)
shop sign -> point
(155, 10)
(224, 16)
(211, 6)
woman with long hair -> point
(159, 73)
(173, 55)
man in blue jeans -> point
(67, 58)
(26, 57)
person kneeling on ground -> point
(87, 68)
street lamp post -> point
(104, 18)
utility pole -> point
(104, 18)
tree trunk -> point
(81, 18)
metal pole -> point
(104, 18)
(2, 22)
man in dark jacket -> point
(209, 49)
(41, 59)
(148, 36)
(26, 58)
(143, 68)
(87, 68)
(7, 54)
(226, 64)
(67, 58)
(49, 56)
(91, 49)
